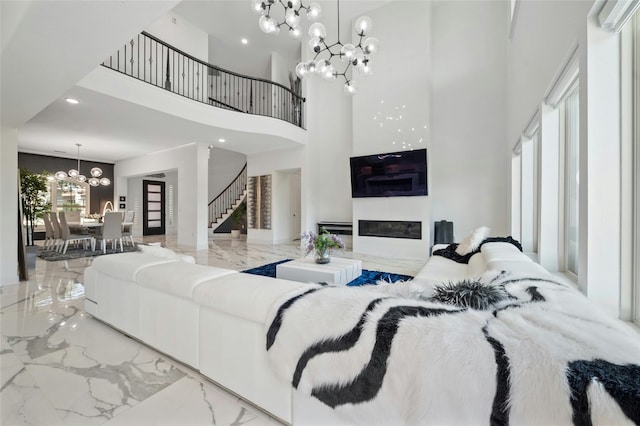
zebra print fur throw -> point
(387, 355)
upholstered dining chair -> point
(57, 231)
(111, 230)
(129, 217)
(49, 237)
(68, 236)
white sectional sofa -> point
(214, 319)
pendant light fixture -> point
(94, 180)
(334, 60)
(291, 17)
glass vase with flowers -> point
(322, 244)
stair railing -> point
(229, 196)
(153, 61)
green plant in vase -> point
(33, 191)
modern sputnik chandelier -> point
(330, 60)
(94, 180)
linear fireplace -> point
(390, 229)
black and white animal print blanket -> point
(386, 355)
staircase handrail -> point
(193, 58)
(229, 186)
(226, 199)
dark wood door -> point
(153, 207)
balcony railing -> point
(156, 62)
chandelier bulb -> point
(295, 32)
(317, 30)
(363, 25)
(259, 7)
(350, 87)
(314, 11)
(81, 178)
(347, 52)
(371, 46)
(94, 181)
(105, 181)
(292, 18)
(301, 69)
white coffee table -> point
(339, 271)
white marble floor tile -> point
(188, 402)
(23, 403)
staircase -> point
(221, 207)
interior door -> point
(153, 208)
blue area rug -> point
(367, 277)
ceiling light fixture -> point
(72, 101)
(357, 56)
(292, 10)
(94, 180)
(221, 140)
(244, 41)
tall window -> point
(570, 136)
(67, 195)
(530, 193)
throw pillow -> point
(473, 240)
(469, 294)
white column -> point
(8, 206)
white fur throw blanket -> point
(379, 355)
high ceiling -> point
(111, 129)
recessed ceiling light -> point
(244, 41)
(71, 100)
(221, 140)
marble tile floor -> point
(59, 366)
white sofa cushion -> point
(520, 267)
(166, 253)
(243, 295)
(179, 278)
(502, 251)
(126, 266)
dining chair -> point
(129, 218)
(111, 230)
(49, 237)
(68, 236)
(57, 231)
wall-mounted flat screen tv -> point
(394, 174)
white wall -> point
(391, 113)
(224, 166)
(181, 34)
(469, 159)
(8, 205)
(223, 52)
(191, 163)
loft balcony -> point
(153, 61)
